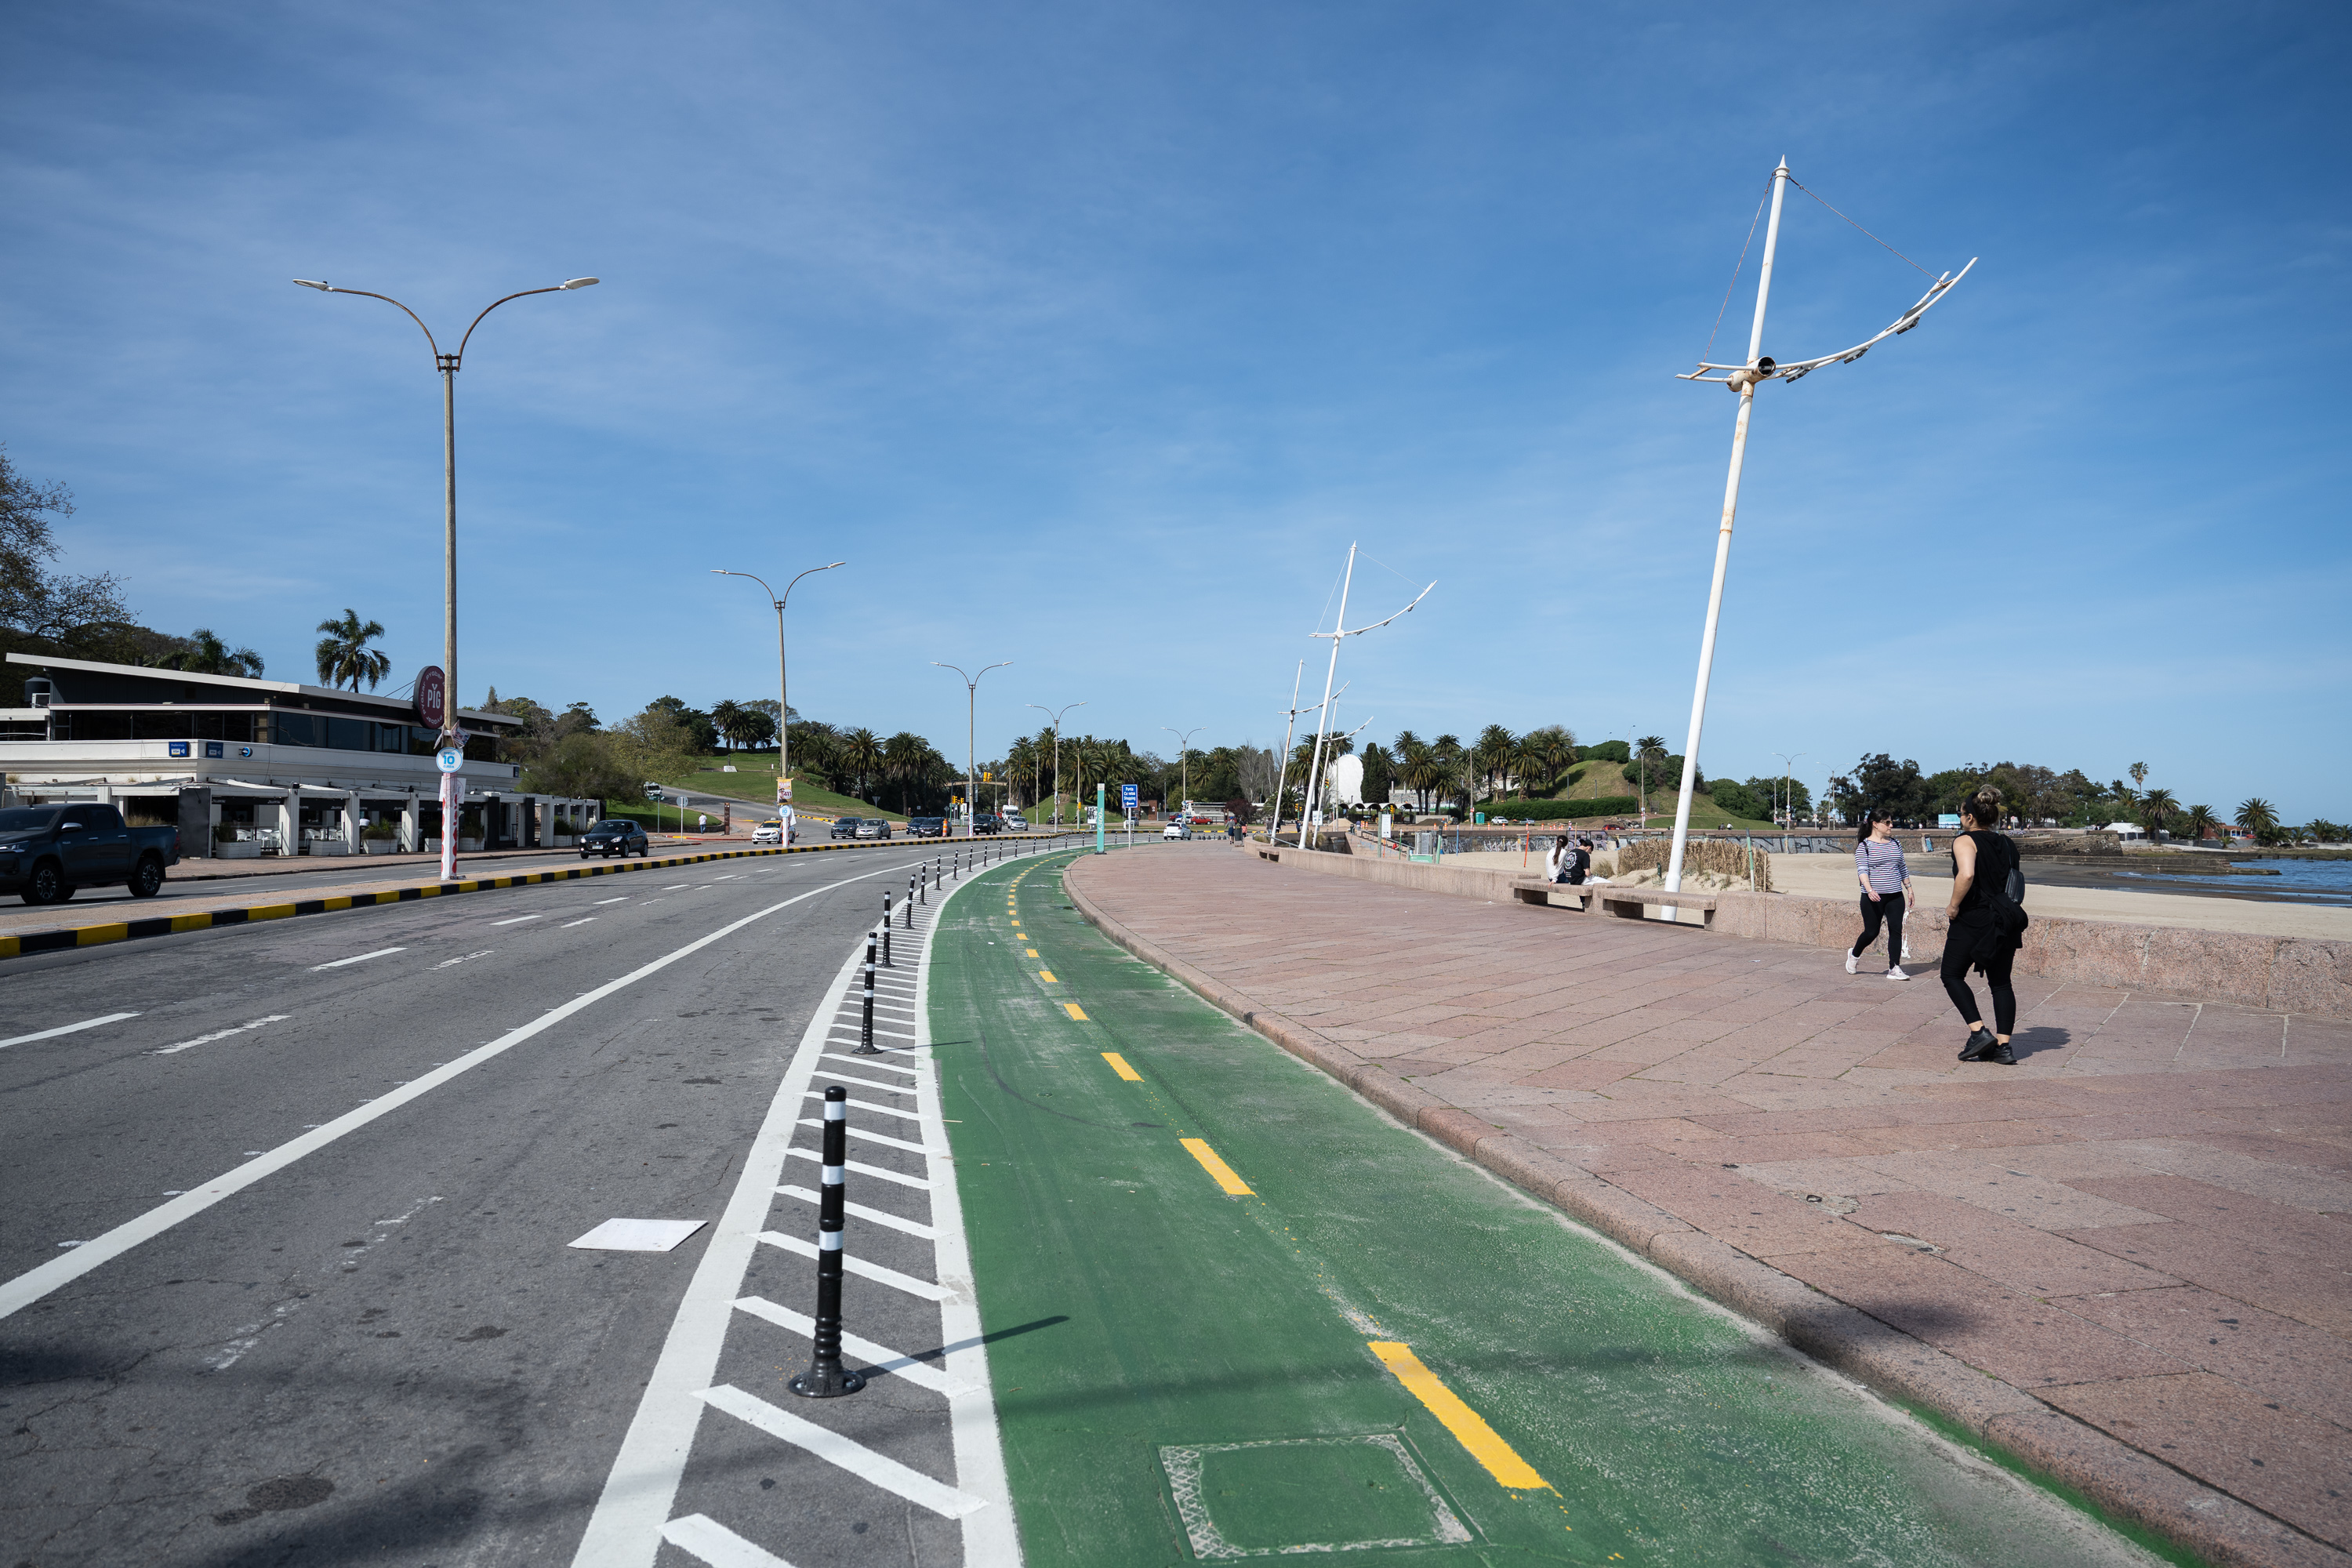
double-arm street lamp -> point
(1058, 753)
(971, 756)
(1788, 806)
(448, 366)
(783, 690)
(1184, 755)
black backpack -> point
(2004, 899)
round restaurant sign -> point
(431, 693)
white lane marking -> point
(221, 1035)
(862, 1169)
(624, 1530)
(878, 1138)
(465, 958)
(359, 958)
(877, 1358)
(857, 1003)
(674, 886)
(869, 1105)
(516, 921)
(700, 1535)
(622, 899)
(990, 1539)
(867, 1082)
(878, 1217)
(869, 1062)
(854, 1457)
(857, 1265)
(85, 1023)
(29, 1287)
(569, 924)
(859, 1028)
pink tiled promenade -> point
(2145, 1225)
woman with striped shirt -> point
(1885, 890)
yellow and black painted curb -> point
(171, 925)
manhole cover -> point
(1289, 1496)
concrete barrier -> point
(2276, 974)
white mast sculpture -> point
(1743, 379)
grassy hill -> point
(754, 781)
(1600, 778)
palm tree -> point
(2139, 775)
(2200, 818)
(724, 714)
(860, 756)
(2257, 816)
(1496, 745)
(904, 758)
(205, 654)
(1647, 749)
(344, 654)
(2156, 807)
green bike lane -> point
(1234, 1310)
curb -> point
(73, 937)
(2120, 1480)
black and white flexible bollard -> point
(911, 880)
(885, 929)
(827, 1378)
(865, 1047)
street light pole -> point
(1057, 752)
(448, 364)
(970, 754)
(783, 689)
(1788, 804)
(1185, 753)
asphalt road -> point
(383, 1348)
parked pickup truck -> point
(47, 853)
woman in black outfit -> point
(1980, 859)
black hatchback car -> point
(844, 827)
(614, 835)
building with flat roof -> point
(247, 767)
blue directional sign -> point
(1127, 798)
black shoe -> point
(2001, 1055)
(1982, 1041)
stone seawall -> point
(2276, 974)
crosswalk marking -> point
(857, 1265)
(878, 1216)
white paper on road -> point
(640, 1235)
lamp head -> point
(321, 288)
(578, 282)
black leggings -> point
(1888, 907)
(1958, 943)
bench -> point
(1541, 890)
(1627, 904)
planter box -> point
(379, 845)
(326, 847)
(469, 846)
(240, 849)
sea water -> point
(2298, 881)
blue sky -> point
(1092, 334)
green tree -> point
(33, 599)
(724, 713)
(2199, 819)
(862, 757)
(1648, 753)
(2257, 816)
(343, 653)
(203, 653)
(2139, 775)
(2156, 808)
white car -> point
(768, 832)
(1177, 830)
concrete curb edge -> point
(2133, 1486)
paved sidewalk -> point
(2143, 1227)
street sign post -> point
(448, 759)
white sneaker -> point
(1850, 961)
(1897, 974)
